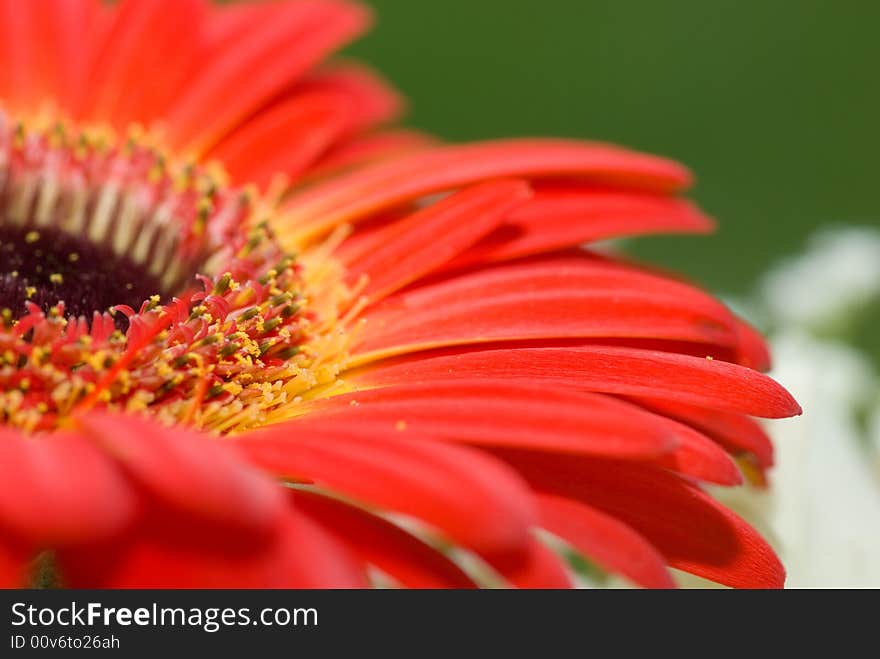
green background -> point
(774, 104)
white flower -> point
(824, 506)
(820, 289)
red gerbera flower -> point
(211, 385)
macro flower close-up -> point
(257, 334)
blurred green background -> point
(774, 104)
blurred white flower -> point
(824, 506)
(838, 274)
(874, 435)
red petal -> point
(735, 432)
(191, 472)
(567, 217)
(148, 40)
(299, 554)
(16, 52)
(542, 568)
(609, 542)
(537, 416)
(406, 250)
(363, 150)
(289, 135)
(31, 72)
(693, 531)
(14, 565)
(59, 490)
(471, 498)
(752, 349)
(286, 139)
(356, 196)
(698, 456)
(237, 79)
(229, 21)
(626, 371)
(369, 97)
(560, 297)
(411, 562)
(497, 412)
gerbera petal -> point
(359, 194)
(735, 432)
(698, 456)
(187, 471)
(411, 562)
(497, 412)
(289, 135)
(752, 349)
(704, 383)
(370, 99)
(232, 20)
(541, 568)
(59, 490)
(42, 55)
(366, 149)
(283, 140)
(239, 78)
(404, 251)
(148, 40)
(471, 498)
(18, 51)
(543, 299)
(13, 565)
(72, 22)
(606, 540)
(692, 530)
(298, 554)
(567, 216)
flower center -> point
(134, 282)
(95, 223)
(49, 266)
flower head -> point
(250, 339)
